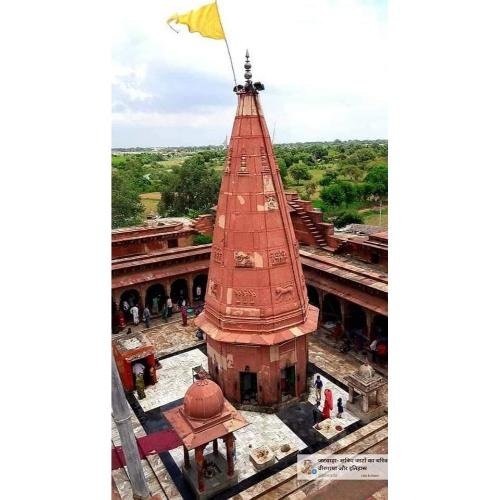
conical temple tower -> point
(256, 315)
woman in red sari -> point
(328, 406)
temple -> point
(277, 300)
(256, 314)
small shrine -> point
(364, 386)
(206, 416)
(135, 349)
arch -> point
(380, 327)
(355, 320)
(313, 296)
(132, 296)
(331, 309)
(178, 290)
(200, 281)
(156, 298)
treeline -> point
(192, 188)
(345, 176)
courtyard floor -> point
(180, 351)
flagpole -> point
(227, 45)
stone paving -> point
(174, 378)
(167, 337)
(336, 363)
(264, 428)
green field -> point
(150, 202)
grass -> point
(372, 217)
(150, 202)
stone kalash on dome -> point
(205, 417)
(256, 315)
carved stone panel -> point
(271, 202)
(213, 289)
(284, 293)
(243, 259)
(263, 159)
(243, 164)
(244, 296)
(228, 160)
(277, 257)
(218, 254)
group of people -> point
(328, 405)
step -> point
(279, 482)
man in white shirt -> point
(135, 314)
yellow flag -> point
(205, 21)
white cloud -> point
(323, 62)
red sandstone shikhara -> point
(256, 314)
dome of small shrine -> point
(366, 371)
(203, 400)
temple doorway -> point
(379, 328)
(155, 298)
(248, 387)
(331, 309)
(131, 296)
(313, 296)
(288, 382)
(199, 287)
(179, 291)
(355, 324)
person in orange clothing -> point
(328, 406)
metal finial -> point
(248, 67)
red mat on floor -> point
(148, 445)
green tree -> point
(202, 239)
(299, 172)
(329, 176)
(377, 181)
(333, 195)
(309, 189)
(192, 188)
(346, 217)
(126, 206)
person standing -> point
(126, 309)
(169, 307)
(327, 407)
(156, 301)
(134, 310)
(318, 384)
(138, 370)
(340, 408)
(184, 314)
(373, 350)
(317, 417)
(146, 316)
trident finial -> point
(248, 67)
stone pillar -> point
(216, 447)
(229, 440)
(351, 394)
(365, 405)
(343, 312)
(198, 454)
(122, 418)
(321, 295)
(369, 323)
(187, 462)
(189, 280)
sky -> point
(323, 64)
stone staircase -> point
(311, 226)
(284, 484)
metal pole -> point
(225, 40)
(121, 416)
